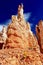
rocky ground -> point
(19, 57)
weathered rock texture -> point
(39, 32)
(19, 57)
(20, 35)
(21, 46)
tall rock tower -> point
(21, 46)
(39, 32)
(19, 33)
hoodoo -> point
(21, 47)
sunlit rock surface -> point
(19, 57)
(20, 35)
(21, 47)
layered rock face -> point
(21, 47)
(39, 32)
(20, 35)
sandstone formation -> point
(20, 35)
(19, 57)
(1, 40)
(39, 32)
(3, 37)
(21, 45)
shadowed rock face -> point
(1, 45)
(39, 32)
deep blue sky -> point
(9, 7)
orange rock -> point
(21, 46)
(20, 35)
(39, 32)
